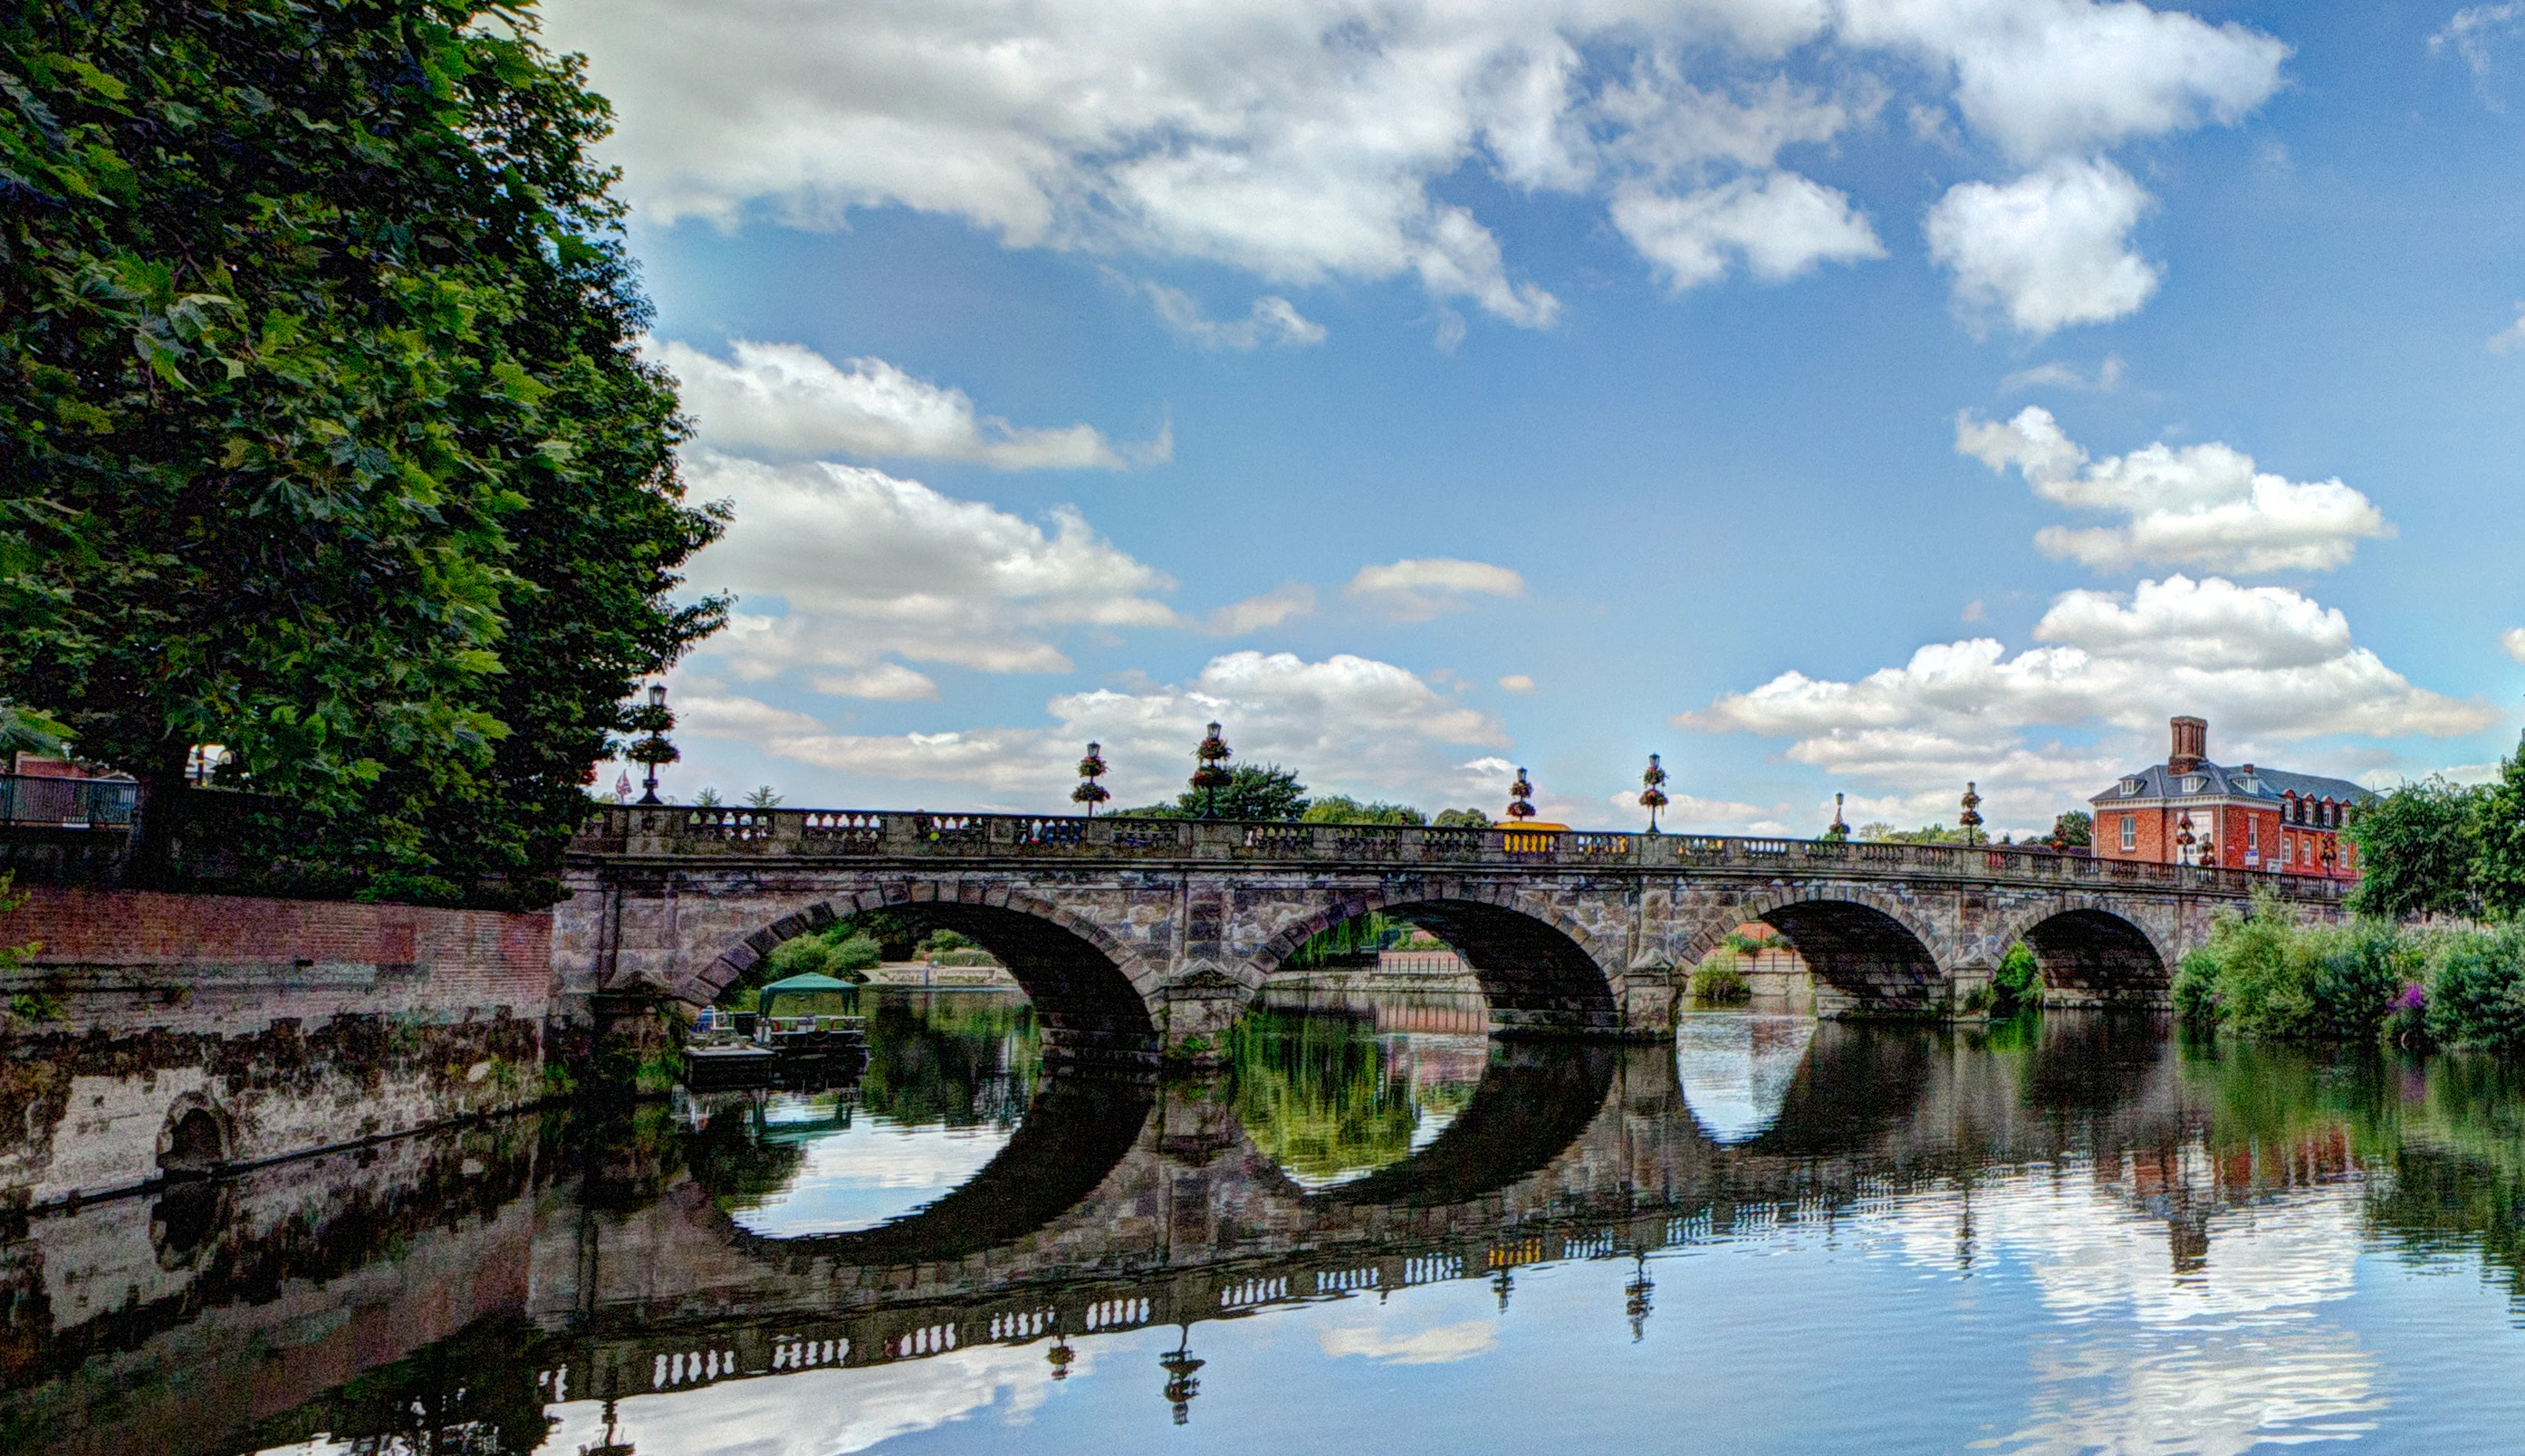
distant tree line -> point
(1266, 792)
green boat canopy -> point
(809, 983)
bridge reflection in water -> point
(494, 1278)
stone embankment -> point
(157, 1035)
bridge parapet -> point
(678, 832)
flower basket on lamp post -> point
(1212, 775)
(1091, 768)
(652, 719)
(1653, 792)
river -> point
(1378, 1228)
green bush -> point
(818, 956)
(2264, 974)
(2477, 989)
(2018, 986)
(1719, 980)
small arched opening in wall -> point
(1089, 1013)
(1534, 976)
(2091, 958)
(1863, 958)
(195, 1140)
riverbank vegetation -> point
(2270, 973)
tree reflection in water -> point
(1331, 1099)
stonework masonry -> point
(1136, 936)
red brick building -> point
(2189, 810)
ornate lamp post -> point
(2183, 840)
(1212, 775)
(1839, 830)
(1091, 768)
(1520, 795)
(1653, 792)
(653, 719)
(1060, 1356)
(1970, 819)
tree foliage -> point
(1341, 808)
(1252, 790)
(2416, 849)
(324, 435)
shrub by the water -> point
(1719, 980)
(2264, 974)
(2476, 993)
(2019, 984)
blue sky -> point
(1858, 395)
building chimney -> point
(2191, 745)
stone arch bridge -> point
(1136, 936)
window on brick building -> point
(2130, 833)
(2252, 836)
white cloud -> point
(1692, 811)
(2042, 78)
(2199, 506)
(886, 682)
(716, 714)
(2048, 250)
(1440, 1344)
(1303, 141)
(2056, 375)
(1347, 724)
(871, 567)
(2512, 337)
(1273, 320)
(1269, 609)
(1517, 681)
(2264, 665)
(787, 400)
(2469, 33)
(1414, 591)
(1779, 224)
(2513, 639)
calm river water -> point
(1378, 1231)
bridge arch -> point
(1540, 969)
(1866, 944)
(1074, 1132)
(1089, 1005)
(2090, 954)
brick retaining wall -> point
(295, 1025)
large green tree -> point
(2499, 829)
(324, 435)
(2417, 848)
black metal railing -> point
(28, 800)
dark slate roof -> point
(2227, 782)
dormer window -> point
(2130, 786)
(2195, 783)
(2248, 785)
